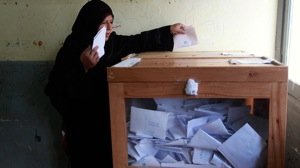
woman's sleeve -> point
(68, 79)
(159, 39)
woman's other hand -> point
(177, 28)
(89, 58)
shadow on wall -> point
(29, 125)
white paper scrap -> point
(191, 87)
(130, 62)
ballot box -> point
(149, 90)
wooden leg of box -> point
(250, 103)
(118, 125)
(277, 125)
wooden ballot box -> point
(164, 74)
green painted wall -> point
(30, 128)
(34, 30)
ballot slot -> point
(182, 132)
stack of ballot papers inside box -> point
(196, 133)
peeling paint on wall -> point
(133, 1)
(173, 1)
(38, 43)
(16, 44)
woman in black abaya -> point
(77, 85)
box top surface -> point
(160, 65)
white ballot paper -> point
(215, 128)
(145, 148)
(179, 142)
(147, 161)
(204, 141)
(183, 165)
(130, 62)
(202, 156)
(149, 122)
(219, 161)
(187, 39)
(244, 147)
(99, 40)
(250, 61)
(168, 159)
(194, 124)
(132, 152)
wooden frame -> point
(165, 75)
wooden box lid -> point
(203, 66)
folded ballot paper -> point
(150, 122)
(99, 40)
(194, 133)
(250, 146)
(187, 39)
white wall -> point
(34, 30)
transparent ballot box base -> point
(182, 132)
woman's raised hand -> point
(177, 28)
(89, 58)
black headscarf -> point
(67, 64)
(88, 20)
